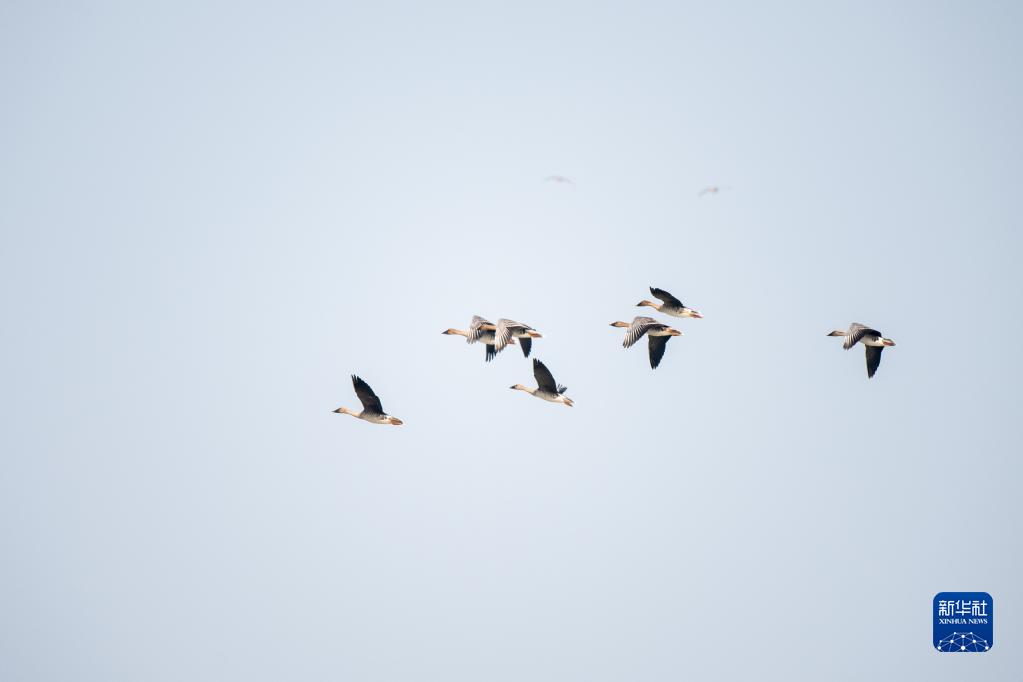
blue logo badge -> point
(963, 621)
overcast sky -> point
(213, 214)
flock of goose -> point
(496, 337)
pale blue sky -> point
(213, 214)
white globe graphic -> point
(963, 641)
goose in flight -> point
(657, 333)
(670, 306)
(372, 410)
(481, 330)
(508, 330)
(872, 339)
(546, 387)
(559, 179)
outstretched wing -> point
(873, 359)
(544, 378)
(527, 344)
(370, 401)
(505, 330)
(856, 333)
(639, 327)
(657, 346)
(666, 297)
(477, 327)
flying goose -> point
(872, 339)
(509, 329)
(671, 305)
(480, 330)
(372, 410)
(547, 388)
(657, 333)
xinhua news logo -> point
(963, 622)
